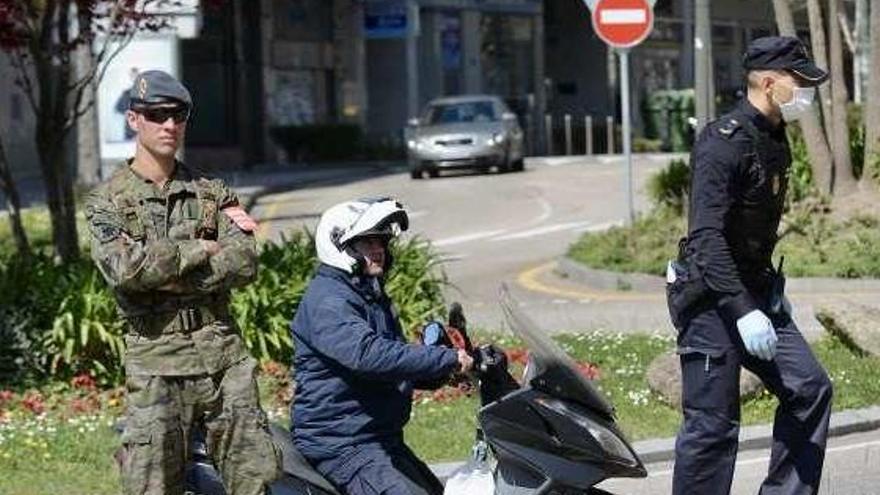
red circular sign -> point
(623, 23)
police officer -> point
(727, 299)
(171, 243)
(354, 372)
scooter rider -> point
(727, 300)
(354, 372)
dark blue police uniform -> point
(354, 378)
(740, 165)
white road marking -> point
(623, 16)
(547, 229)
(417, 214)
(599, 227)
(449, 241)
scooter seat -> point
(295, 464)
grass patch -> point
(814, 245)
(61, 451)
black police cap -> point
(154, 86)
(783, 53)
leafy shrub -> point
(670, 186)
(800, 179)
(60, 321)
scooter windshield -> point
(556, 373)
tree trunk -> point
(88, 149)
(50, 134)
(872, 112)
(820, 56)
(843, 181)
(814, 136)
(860, 57)
(13, 206)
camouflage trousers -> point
(163, 410)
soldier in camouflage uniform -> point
(172, 243)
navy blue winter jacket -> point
(352, 367)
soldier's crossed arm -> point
(127, 260)
(236, 263)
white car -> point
(477, 132)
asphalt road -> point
(852, 467)
(496, 228)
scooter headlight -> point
(613, 445)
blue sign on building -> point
(386, 19)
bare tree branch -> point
(848, 37)
(26, 85)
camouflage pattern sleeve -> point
(236, 263)
(127, 260)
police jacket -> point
(740, 165)
(352, 368)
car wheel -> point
(519, 165)
(416, 174)
(433, 173)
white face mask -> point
(800, 103)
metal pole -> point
(548, 130)
(609, 134)
(588, 134)
(627, 138)
(567, 134)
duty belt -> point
(184, 320)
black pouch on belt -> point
(685, 286)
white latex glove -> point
(758, 335)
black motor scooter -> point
(552, 434)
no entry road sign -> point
(623, 23)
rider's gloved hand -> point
(758, 335)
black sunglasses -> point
(160, 115)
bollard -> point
(609, 131)
(548, 130)
(588, 134)
(567, 135)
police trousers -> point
(706, 446)
(161, 411)
(388, 468)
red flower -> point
(33, 402)
(6, 396)
(589, 370)
(519, 355)
(84, 381)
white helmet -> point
(343, 223)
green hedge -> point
(57, 321)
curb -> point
(750, 438)
(642, 282)
(296, 179)
(609, 280)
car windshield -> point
(457, 113)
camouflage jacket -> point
(172, 293)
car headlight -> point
(497, 138)
(613, 445)
(414, 144)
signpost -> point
(623, 24)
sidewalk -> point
(750, 438)
(252, 184)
